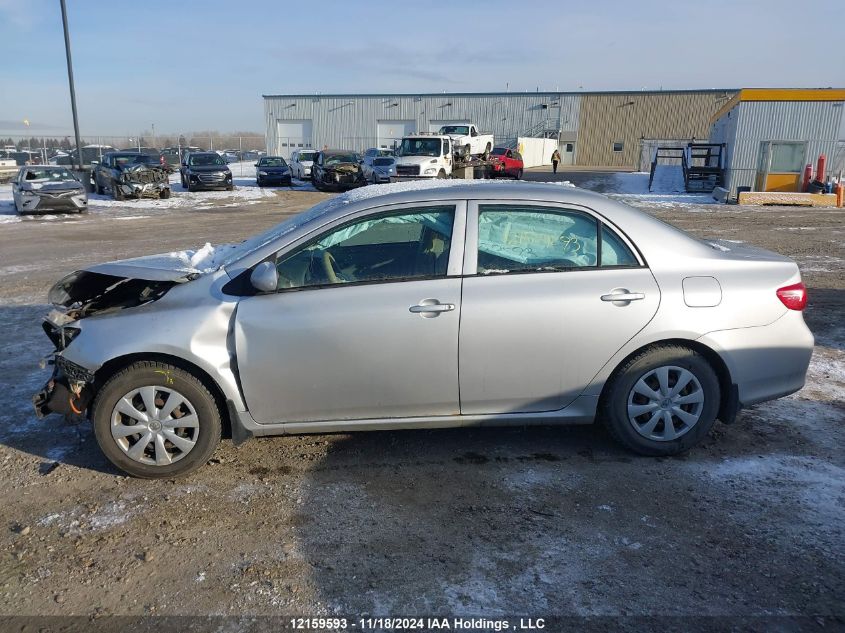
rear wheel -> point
(487, 152)
(519, 174)
(662, 401)
(154, 420)
(467, 152)
(164, 193)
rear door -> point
(537, 318)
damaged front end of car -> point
(83, 294)
(144, 181)
(343, 176)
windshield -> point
(34, 173)
(203, 160)
(126, 160)
(455, 129)
(499, 151)
(336, 159)
(419, 147)
(383, 162)
(304, 156)
(272, 161)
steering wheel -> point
(329, 268)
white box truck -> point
(424, 156)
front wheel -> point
(154, 420)
(164, 194)
(441, 174)
(662, 401)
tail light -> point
(793, 297)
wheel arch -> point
(115, 365)
(729, 395)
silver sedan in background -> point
(300, 163)
(48, 188)
(427, 306)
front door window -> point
(412, 244)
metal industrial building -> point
(771, 134)
(608, 129)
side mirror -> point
(264, 277)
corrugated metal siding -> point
(628, 117)
(816, 122)
(350, 122)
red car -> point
(506, 162)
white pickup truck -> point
(424, 156)
(467, 140)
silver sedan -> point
(427, 305)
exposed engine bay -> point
(79, 295)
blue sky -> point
(204, 64)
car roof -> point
(644, 230)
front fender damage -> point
(82, 294)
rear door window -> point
(535, 239)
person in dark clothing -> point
(555, 160)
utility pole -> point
(70, 81)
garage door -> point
(390, 132)
(292, 134)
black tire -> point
(519, 174)
(614, 404)
(98, 189)
(259, 182)
(164, 193)
(230, 188)
(467, 152)
(117, 194)
(486, 154)
(191, 188)
(441, 174)
(144, 373)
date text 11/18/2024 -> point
(417, 624)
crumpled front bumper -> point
(144, 190)
(68, 391)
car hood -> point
(208, 168)
(130, 282)
(415, 160)
(344, 168)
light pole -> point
(70, 81)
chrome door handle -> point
(623, 296)
(429, 308)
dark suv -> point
(205, 170)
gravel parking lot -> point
(534, 521)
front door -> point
(364, 323)
(536, 322)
